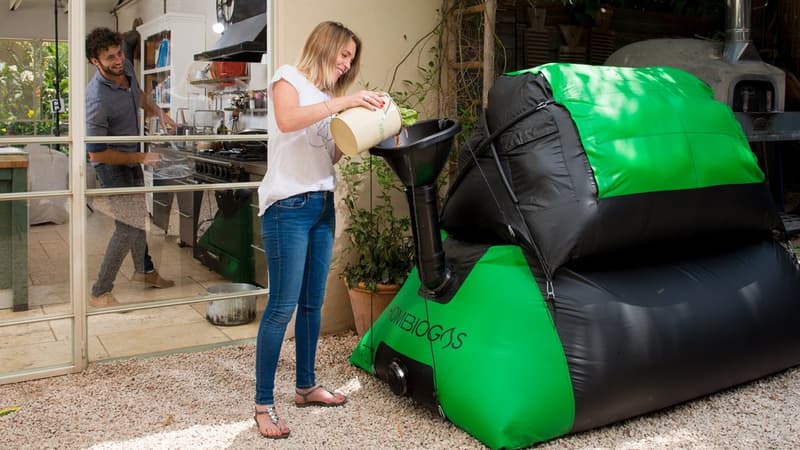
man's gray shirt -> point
(112, 110)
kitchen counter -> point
(13, 158)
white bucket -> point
(358, 129)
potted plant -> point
(378, 235)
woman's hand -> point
(371, 100)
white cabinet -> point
(169, 43)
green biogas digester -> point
(603, 237)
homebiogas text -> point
(435, 333)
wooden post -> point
(448, 99)
(489, 15)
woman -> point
(297, 212)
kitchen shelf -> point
(184, 35)
(217, 82)
(165, 69)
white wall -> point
(388, 30)
(30, 23)
(148, 10)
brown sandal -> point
(306, 402)
(273, 416)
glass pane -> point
(35, 345)
(35, 88)
(48, 256)
(13, 170)
(194, 240)
(188, 237)
(34, 267)
(48, 167)
(34, 168)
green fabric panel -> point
(651, 129)
(501, 373)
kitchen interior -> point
(215, 90)
(206, 240)
(218, 91)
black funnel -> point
(417, 156)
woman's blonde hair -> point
(318, 58)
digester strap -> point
(489, 142)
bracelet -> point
(327, 107)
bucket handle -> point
(388, 105)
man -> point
(113, 99)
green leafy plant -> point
(378, 234)
(408, 116)
(28, 83)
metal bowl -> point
(234, 311)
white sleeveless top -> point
(298, 161)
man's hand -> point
(151, 159)
(120, 158)
(169, 124)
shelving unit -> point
(169, 44)
(219, 83)
(233, 96)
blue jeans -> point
(298, 240)
(129, 235)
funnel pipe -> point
(417, 156)
(433, 271)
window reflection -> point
(49, 261)
(194, 238)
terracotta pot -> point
(362, 299)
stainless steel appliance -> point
(245, 35)
(226, 245)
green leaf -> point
(6, 411)
(408, 116)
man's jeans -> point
(130, 213)
(298, 240)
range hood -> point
(244, 41)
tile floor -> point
(113, 335)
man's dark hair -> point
(101, 39)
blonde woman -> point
(297, 210)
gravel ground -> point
(203, 400)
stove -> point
(226, 245)
(229, 164)
(211, 171)
(241, 154)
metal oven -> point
(225, 244)
(755, 90)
